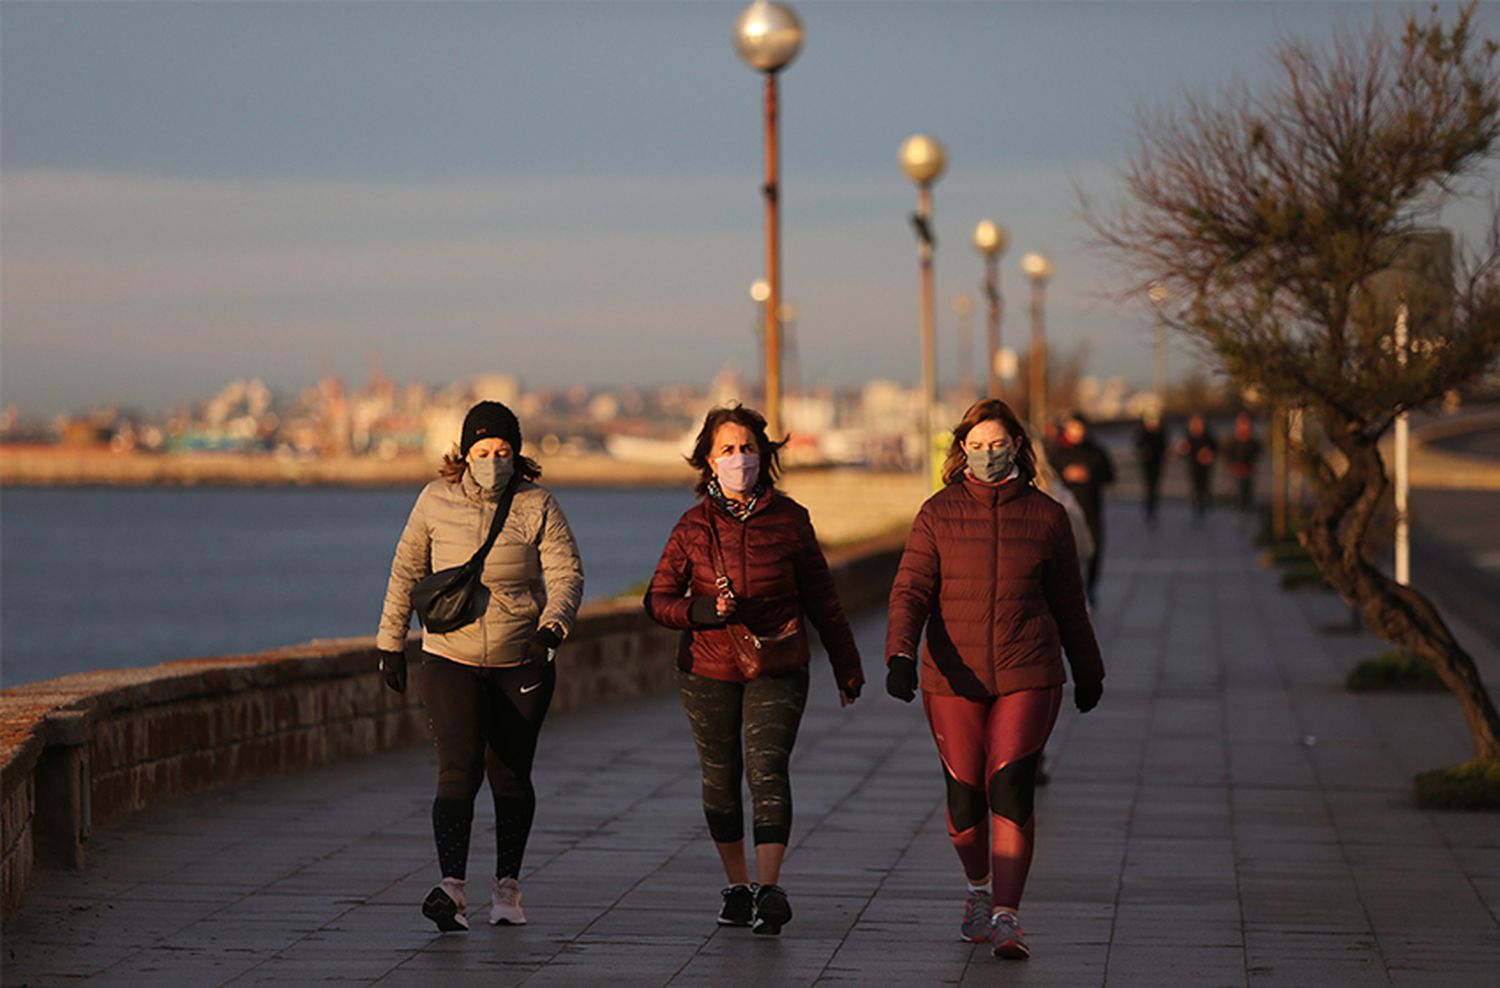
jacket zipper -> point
(994, 583)
(744, 554)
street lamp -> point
(990, 239)
(768, 36)
(923, 160)
(1038, 269)
(760, 290)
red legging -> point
(990, 749)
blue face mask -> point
(492, 472)
(991, 465)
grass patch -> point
(1394, 670)
(1303, 576)
(1471, 785)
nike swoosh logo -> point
(528, 689)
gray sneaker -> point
(976, 925)
(1005, 933)
(505, 903)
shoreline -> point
(51, 466)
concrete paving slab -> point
(1228, 816)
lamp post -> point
(768, 36)
(923, 160)
(1403, 461)
(759, 292)
(990, 240)
(963, 308)
(1158, 294)
(1038, 269)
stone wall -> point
(83, 751)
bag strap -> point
(748, 661)
(716, 552)
(502, 511)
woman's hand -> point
(847, 695)
(393, 668)
(1086, 695)
(725, 607)
(543, 645)
(901, 678)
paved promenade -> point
(1228, 816)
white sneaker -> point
(505, 903)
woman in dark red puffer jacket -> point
(740, 570)
(990, 571)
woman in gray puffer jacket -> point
(486, 685)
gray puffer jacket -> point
(533, 573)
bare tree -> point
(1278, 219)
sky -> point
(569, 192)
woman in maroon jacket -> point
(739, 571)
(990, 571)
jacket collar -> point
(761, 503)
(995, 494)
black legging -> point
(484, 721)
(770, 710)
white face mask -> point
(492, 472)
(738, 472)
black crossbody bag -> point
(450, 598)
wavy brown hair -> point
(770, 459)
(454, 466)
(986, 410)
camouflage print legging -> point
(770, 711)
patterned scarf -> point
(735, 509)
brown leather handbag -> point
(750, 649)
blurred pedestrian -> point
(1050, 484)
(740, 572)
(1151, 453)
(486, 684)
(1200, 449)
(1242, 453)
(991, 574)
(1087, 469)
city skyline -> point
(565, 192)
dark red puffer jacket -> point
(992, 574)
(777, 570)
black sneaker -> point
(772, 911)
(449, 914)
(739, 906)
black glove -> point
(852, 692)
(543, 644)
(901, 678)
(393, 666)
(704, 612)
(1086, 695)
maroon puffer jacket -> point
(992, 573)
(777, 569)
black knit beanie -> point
(490, 420)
